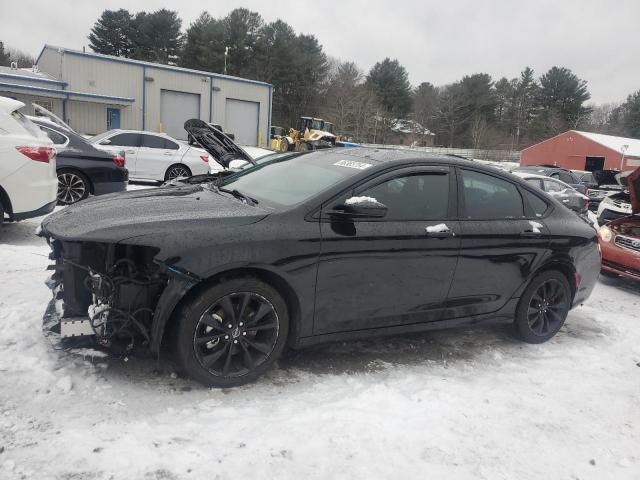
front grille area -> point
(628, 242)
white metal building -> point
(95, 93)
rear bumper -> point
(48, 208)
(102, 188)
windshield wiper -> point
(239, 195)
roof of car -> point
(9, 104)
(384, 155)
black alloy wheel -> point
(72, 187)
(236, 334)
(232, 332)
(543, 307)
(177, 171)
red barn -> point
(584, 151)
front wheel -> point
(232, 332)
(543, 307)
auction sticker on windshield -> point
(352, 164)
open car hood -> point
(220, 147)
(633, 183)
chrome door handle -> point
(130, 151)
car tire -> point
(73, 186)
(543, 307)
(177, 171)
(1, 213)
(231, 333)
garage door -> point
(241, 119)
(175, 109)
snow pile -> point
(457, 404)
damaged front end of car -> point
(108, 295)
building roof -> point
(630, 147)
(160, 66)
(28, 74)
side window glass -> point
(124, 140)
(56, 138)
(535, 182)
(413, 197)
(565, 177)
(538, 205)
(170, 145)
(151, 141)
(551, 186)
(487, 197)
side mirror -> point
(361, 207)
(105, 142)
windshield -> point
(317, 124)
(285, 182)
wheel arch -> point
(6, 202)
(270, 277)
(176, 164)
(78, 170)
(563, 265)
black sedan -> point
(332, 245)
(82, 169)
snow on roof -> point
(25, 72)
(629, 146)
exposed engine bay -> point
(109, 291)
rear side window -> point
(413, 197)
(151, 141)
(125, 140)
(551, 186)
(490, 198)
(27, 124)
(536, 204)
(563, 177)
(56, 138)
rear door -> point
(393, 270)
(502, 237)
(156, 154)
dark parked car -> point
(564, 193)
(562, 174)
(82, 169)
(332, 245)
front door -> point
(393, 270)
(156, 154)
(113, 118)
(503, 238)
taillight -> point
(39, 154)
(204, 158)
(118, 160)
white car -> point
(28, 180)
(153, 156)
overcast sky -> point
(437, 41)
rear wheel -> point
(177, 171)
(543, 307)
(232, 332)
(73, 186)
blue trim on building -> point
(109, 58)
(64, 93)
(32, 79)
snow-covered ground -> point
(469, 403)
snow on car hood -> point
(221, 147)
(153, 212)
